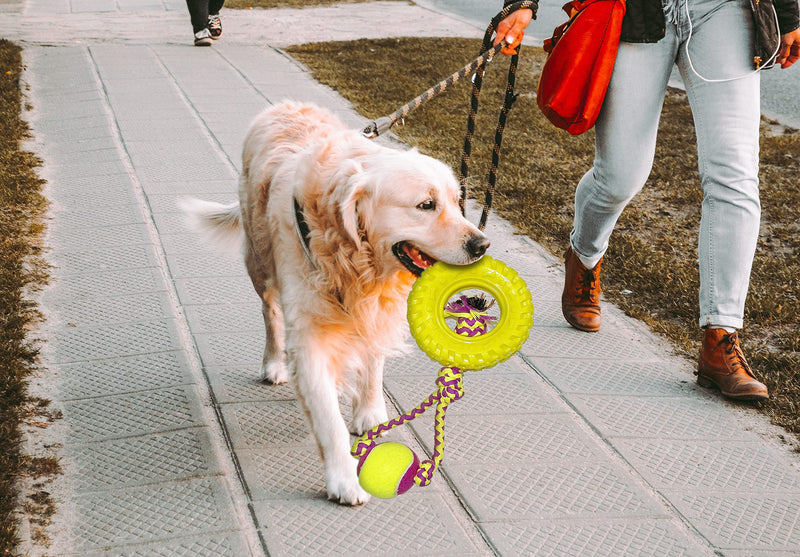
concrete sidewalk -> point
(582, 444)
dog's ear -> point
(352, 180)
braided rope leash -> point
(508, 102)
(472, 319)
(478, 65)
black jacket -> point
(644, 19)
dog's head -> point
(405, 205)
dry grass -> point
(653, 252)
(299, 4)
(21, 208)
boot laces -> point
(734, 352)
(586, 287)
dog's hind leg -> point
(273, 366)
(316, 389)
(369, 409)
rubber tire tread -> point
(439, 283)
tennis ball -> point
(387, 470)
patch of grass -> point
(21, 271)
(299, 4)
(650, 270)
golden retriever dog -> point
(336, 229)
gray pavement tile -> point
(168, 202)
(546, 313)
(225, 318)
(142, 460)
(489, 391)
(237, 384)
(141, 131)
(746, 521)
(182, 165)
(92, 312)
(114, 283)
(718, 466)
(59, 151)
(184, 243)
(172, 223)
(414, 363)
(285, 472)
(84, 171)
(89, 185)
(223, 349)
(605, 377)
(594, 488)
(213, 263)
(93, 217)
(610, 343)
(235, 289)
(132, 414)
(71, 133)
(219, 545)
(416, 523)
(100, 237)
(89, 6)
(164, 153)
(156, 512)
(606, 538)
(118, 376)
(196, 188)
(93, 125)
(111, 258)
(263, 65)
(266, 425)
(79, 343)
(78, 198)
(660, 417)
(517, 440)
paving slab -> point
(599, 445)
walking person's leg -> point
(624, 148)
(727, 118)
(214, 22)
(198, 13)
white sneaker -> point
(203, 38)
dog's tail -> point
(222, 224)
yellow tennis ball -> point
(387, 470)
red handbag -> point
(581, 56)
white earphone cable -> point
(689, 58)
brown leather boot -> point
(722, 366)
(580, 301)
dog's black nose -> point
(477, 245)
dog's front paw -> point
(344, 488)
(274, 373)
(366, 419)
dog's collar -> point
(302, 229)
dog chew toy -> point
(389, 469)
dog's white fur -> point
(341, 311)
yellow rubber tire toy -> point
(432, 291)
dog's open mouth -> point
(412, 258)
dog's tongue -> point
(420, 259)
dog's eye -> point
(428, 205)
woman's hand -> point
(789, 51)
(512, 29)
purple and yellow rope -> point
(472, 319)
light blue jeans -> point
(726, 117)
